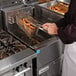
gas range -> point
(14, 55)
(9, 45)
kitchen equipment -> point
(14, 55)
(38, 40)
(58, 6)
(65, 1)
(43, 1)
(53, 49)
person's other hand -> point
(51, 28)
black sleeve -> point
(67, 25)
(68, 34)
(60, 23)
(63, 22)
(67, 30)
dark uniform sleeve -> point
(68, 34)
(60, 22)
(67, 25)
(67, 31)
(63, 22)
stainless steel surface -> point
(9, 45)
(51, 49)
(30, 2)
(24, 71)
(8, 3)
(13, 53)
(53, 5)
(11, 25)
(15, 60)
(40, 40)
(44, 15)
(65, 1)
(54, 2)
(51, 69)
(48, 4)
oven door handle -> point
(27, 69)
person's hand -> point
(51, 28)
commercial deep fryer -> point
(58, 6)
(48, 47)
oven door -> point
(25, 72)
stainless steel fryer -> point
(41, 42)
(58, 3)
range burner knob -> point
(17, 69)
(25, 65)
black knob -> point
(25, 65)
(17, 69)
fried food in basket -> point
(27, 26)
(61, 8)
